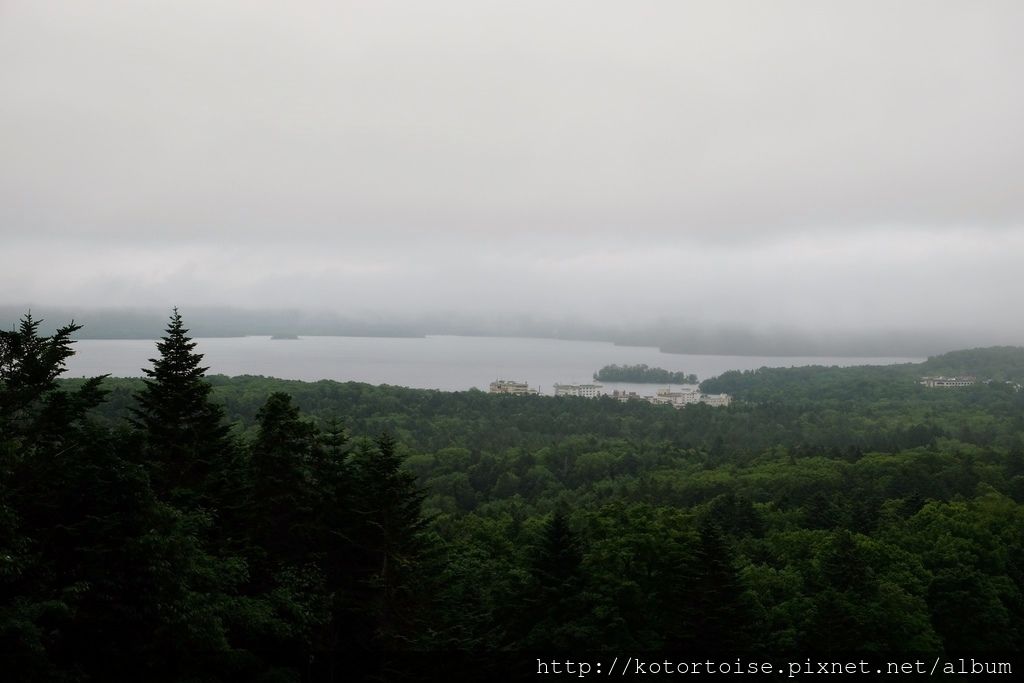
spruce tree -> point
(32, 407)
(555, 613)
(94, 571)
(556, 564)
(284, 498)
(185, 430)
(724, 618)
(45, 440)
(388, 529)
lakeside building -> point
(934, 382)
(581, 390)
(686, 397)
(507, 386)
(676, 398)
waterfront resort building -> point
(507, 386)
(581, 390)
(686, 397)
(934, 382)
(676, 398)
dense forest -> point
(642, 374)
(232, 528)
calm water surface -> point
(441, 362)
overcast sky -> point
(818, 164)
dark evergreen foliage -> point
(555, 605)
(185, 430)
(284, 491)
(837, 511)
(176, 552)
(389, 541)
(719, 607)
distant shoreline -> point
(751, 354)
(676, 338)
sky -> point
(822, 166)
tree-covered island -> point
(643, 374)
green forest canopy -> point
(830, 510)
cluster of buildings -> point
(934, 382)
(676, 399)
(581, 390)
(962, 381)
(507, 386)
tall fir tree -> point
(554, 612)
(44, 440)
(94, 571)
(388, 529)
(724, 620)
(32, 407)
(186, 434)
(284, 496)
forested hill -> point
(886, 410)
(997, 363)
(868, 383)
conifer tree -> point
(32, 407)
(283, 497)
(389, 533)
(44, 439)
(185, 429)
(555, 608)
(556, 564)
(93, 569)
(723, 618)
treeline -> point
(833, 511)
(997, 363)
(642, 374)
(168, 547)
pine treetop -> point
(178, 358)
(183, 425)
(31, 404)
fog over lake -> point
(435, 362)
(827, 169)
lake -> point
(437, 362)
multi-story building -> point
(686, 397)
(507, 386)
(623, 396)
(934, 382)
(581, 390)
(676, 398)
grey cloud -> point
(837, 282)
(650, 158)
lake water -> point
(437, 362)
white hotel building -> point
(506, 386)
(934, 382)
(581, 390)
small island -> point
(284, 336)
(642, 374)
